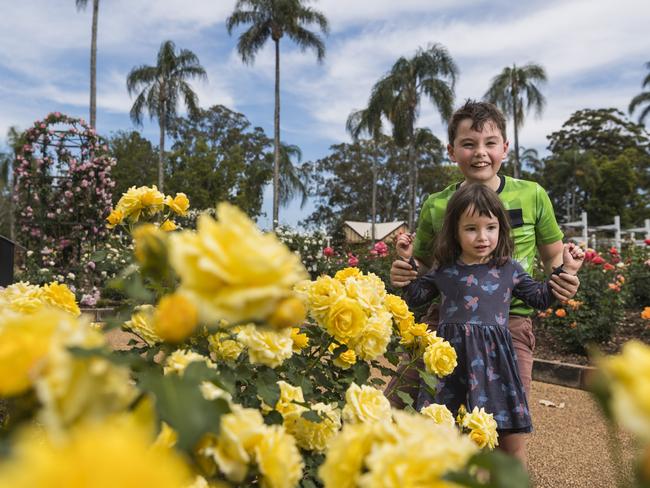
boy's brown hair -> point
(486, 202)
(479, 113)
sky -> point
(594, 53)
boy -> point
(478, 144)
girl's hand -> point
(404, 246)
(572, 257)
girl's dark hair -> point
(484, 201)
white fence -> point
(588, 234)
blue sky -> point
(594, 52)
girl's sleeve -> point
(534, 293)
(420, 291)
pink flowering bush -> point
(63, 192)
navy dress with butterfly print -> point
(474, 306)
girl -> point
(476, 278)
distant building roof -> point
(382, 229)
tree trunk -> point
(93, 67)
(515, 171)
(161, 155)
(276, 139)
(416, 174)
(411, 212)
(374, 194)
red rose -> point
(328, 251)
(597, 260)
(608, 267)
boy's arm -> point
(564, 286)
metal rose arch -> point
(62, 193)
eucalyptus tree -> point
(642, 98)
(81, 4)
(273, 19)
(159, 89)
(515, 91)
(397, 96)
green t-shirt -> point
(531, 216)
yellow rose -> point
(368, 291)
(179, 204)
(345, 273)
(168, 226)
(289, 394)
(629, 382)
(114, 218)
(418, 453)
(180, 359)
(110, 453)
(24, 343)
(151, 200)
(300, 341)
(167, 437)
(141, 324)
(439, 413)
(240, 432)
(346, 359)
(21, 297)
(224, 347)
(278, 458)
(314, 436)
(440, 358)
(483, 428)
(397, 307)
(365, 404)
(175, 318)
(60, 296)
(321, 295)
(129, 205)
(345, 320)
(374, 339)
(289, 313)
(233, 271)
(345, 456)
(267, 347)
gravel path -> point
(569, 447)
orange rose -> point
(560, 312)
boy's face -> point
(479, 154)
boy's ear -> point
(450, 151)
(506, 147)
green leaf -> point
(361, 372)
(406, 398)
(430, 381)
(267, 387)
(273, 418)
(312, 416)
(340, 349)
(503, 471)
(179, 402)
(99, 256)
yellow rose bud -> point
(175, 318)
(179, 204)
(300, 341)
(168, 225)
(151, 249)
(115, 218)
(290, 312)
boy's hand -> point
(404, 246)
(402, 273)
(572, 258)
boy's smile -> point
(479, 154)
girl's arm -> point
(422, 290)
(532, 293)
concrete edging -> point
(563, 374)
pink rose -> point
(328, 251)
(353, 260)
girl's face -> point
(478, 236)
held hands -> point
(565, 285)
(401, 272)
(572, 258)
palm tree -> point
(431, 72)
(159, 88)
(292, 179)
(81, 4)
(642, 98)
(359, 122)
(273, 19)
(513, 88)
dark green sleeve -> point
(425, 235)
